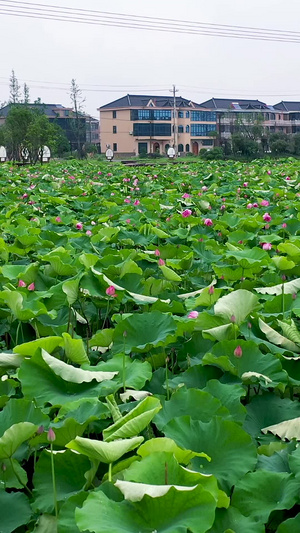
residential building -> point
(64, 117)
(236, 115)
(137, 124)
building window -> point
(187, 147)
(161, 114)
(143, 148)
(187, 114)
(115, 147)
(187, 129)
(201, 130)
(150, 129)
(67, 112)
(180, 129)
(207, 142)
(114, 114)
(203, 116)
(114, 129)
(180, 114)
(180, 148)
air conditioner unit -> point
(131, 133)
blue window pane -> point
(187, 129)
(187, 114)
(203, 116)
(201, 130)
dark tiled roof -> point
(287, 106)
(47, 109)
(233, 103)
(134, 100)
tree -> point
(26, 97)
(280, 143)
(14, 89)
(29, 129)
(245, 146)
(78, 123)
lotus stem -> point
(53, 481)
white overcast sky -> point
(43, 51)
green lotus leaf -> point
(72, 374)
(232, 521)
(14, 436)
(238, 304)
(105, 452)
(141, 331)
(30, 348)
(75, 350)
(46, 524)
(259, 493)
(268, 410)
(169, 274)
(15, 510)
(252, 360)
(135, 421)
(67, 513)
(292, 525)
(163, 444)
(41, 383)
(174, 512)
(70, 469)
(289, 287)
(198, 404)
(230, 448)
(276, 338)
(71, 289)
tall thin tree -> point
(14, 89)
(26, 97)
(78, 123)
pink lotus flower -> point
(25, 195)
(157, 252)
(79, 225)
(204, 188)
(58, 219)
(249, 206)
(126, 180)
(238, 352)
(267, 217)
(127, 200)
(211, 290)
(265, 203)
(109, 174)
(223, 206)
(186, 213)
(21, 283)
(208, 222)
(127, 220)
(193, 314)
(135, 182)
(186, 195)
(161, 262)
(88, 232)
(284, 225)
(287, 178)
(93, 223)
(266, 246)
(51, 435)
(269, 172)
(255, 204)
(111, 291)
(99, 173)
(245, 184)
(31, 287)
(136, 202)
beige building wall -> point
(117, 132)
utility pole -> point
(174, 91)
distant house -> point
(137, 124)
(233, 113)
(64, 117)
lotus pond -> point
(150, 348)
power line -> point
(243, 33)
(144, 18)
